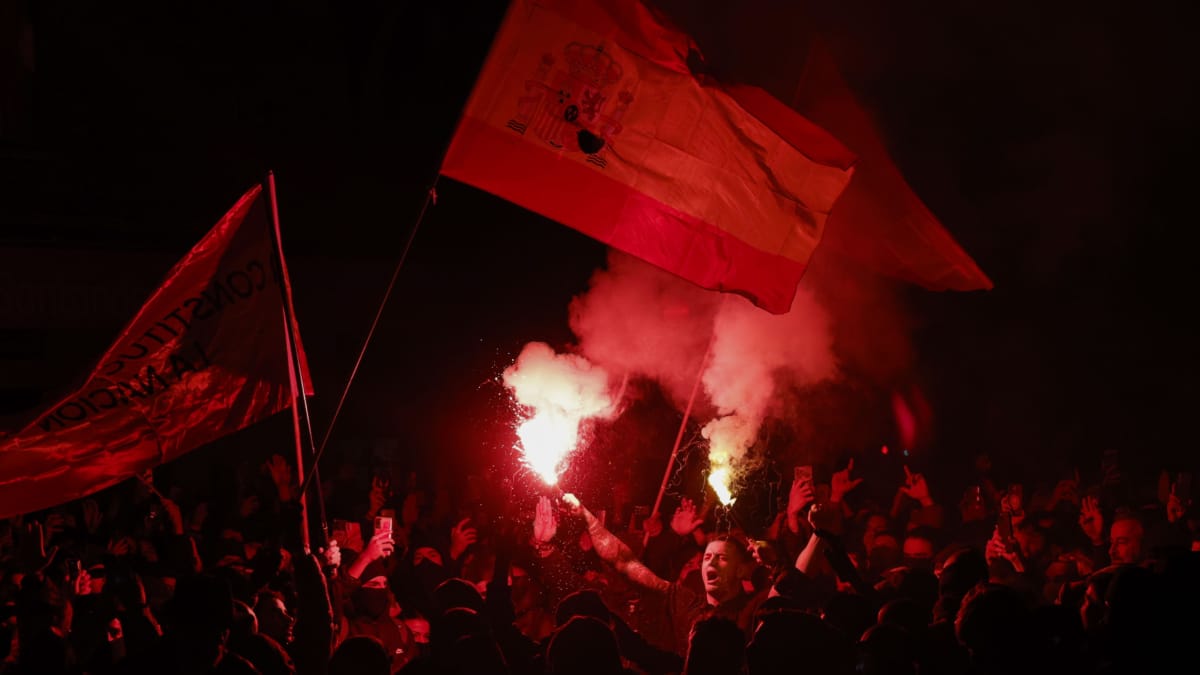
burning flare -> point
(557, 393)
(720, 480)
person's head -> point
(886, 648)
(427, 554)
(244, 620)
(456, 592)
(582, 603)
(583, 646)
(884, 553)
(419, 627)
(1126, 541)
(993, 623)
(918, 550)
(373, 599)
(1093, 608)
(1030, 537)
(875, 524)
(725, 564)
(964, 569)
(265, 654)
(716, 646)
(783, 635)
(274, 619)
(361, 655)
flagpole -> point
(295, 378)
(687, 413)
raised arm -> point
(616, 552)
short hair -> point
(456, 592)
(586, 602)
(716, 645)
(583, 646)
(360, 655)
(735, 542)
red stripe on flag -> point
(616, 214)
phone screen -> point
(804, 473)
(383, 524)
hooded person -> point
(373, 614)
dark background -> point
(1055, 140)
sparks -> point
(555, 395)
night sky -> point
(1056, 141)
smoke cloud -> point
(638, 320)
(560, 391)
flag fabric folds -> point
(879, 222)
(204, 357)
(586, 111)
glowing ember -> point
(719, 479)
(557, 393)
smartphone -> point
(383, 524)
(803, 473)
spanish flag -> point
(594, 113)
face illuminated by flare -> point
(722, 568)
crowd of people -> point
(1030, 577)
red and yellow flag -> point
(586, 112)
(204, 357)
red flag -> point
(586, 112)
(879, 221)
(204, 357)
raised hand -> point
(249, 506)
(823, 518)
(281, 474)
(841, 484)
(799, 496)
(685, 521)
(380, 546)
(121, 546)
(997, 549)
(91, 515)
(462, 536)
(915, 487)
(1091, 520)
(545, 522)
(332, 555)
(574, 507)
(1175, 507)
(83, 583)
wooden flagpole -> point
(295, 374)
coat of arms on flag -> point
(569, 104)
